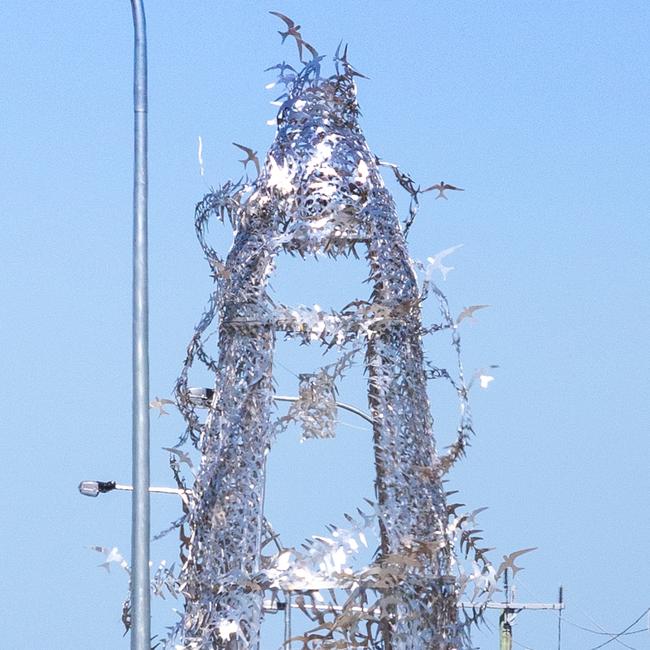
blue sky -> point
(538, 109)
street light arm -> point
(341, 405)
(95, 488)
(202, 398)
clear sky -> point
(538, 109)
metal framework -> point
(319, 190)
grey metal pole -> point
(559, 618)
(140, 595)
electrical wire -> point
(615, 637)
(601, 631)
(586, 629)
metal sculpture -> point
(319, 190)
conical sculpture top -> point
(319, 189)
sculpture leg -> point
(223, 602)
(410, 493)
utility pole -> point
(505, 626)
(559, 618)
(510, 610)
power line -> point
(563, 619)
(602, 629)
(615, 637)
(587, 629)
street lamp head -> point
(201, 397)
(93, 488)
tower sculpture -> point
(319, 190)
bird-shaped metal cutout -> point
(251, 157)
(442, 187)
(292, 30)
(468, 312)
(158, 403)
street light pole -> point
(140, 589)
